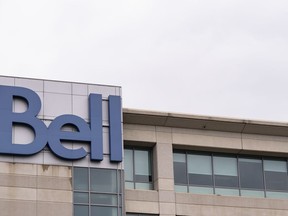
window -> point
(200, 173)
(251, 177)
(138, 168)
(225, 175)
(97, 192)
(276, 178)
(235, 175)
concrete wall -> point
(165, 202)
(33, 190)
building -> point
(65, 157)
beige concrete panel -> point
(16, 193)
(163, 137)
(24, 169)
(54, 183)
(167, 208)
(139, 135)
(56, 171)
(203, 210)
(163, 129)
(141, 195)
(166, 196)
(54, 209)
(18, 181)
(212, 200)
(211, 139)
(6, 158)
(164, 184)
(17, 208)
(141, 206)
(188, 210)
(54, 195)
(263, 143)
(138, 127)
(164, 160)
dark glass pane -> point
(129, 185)
(103, 211)
(251, 173)
(104, 199)
(199, 164)
(276, 181)
(81, 178)
(200, 190)
(276, 174)
(119, 180)
(103, 180)
(81, 197)
(144, 186)
(225, 166)
(198, 179)
(180, 173)
(226, 181)
(81, 210)
(143, 178)
(128, 158)
(142, 162)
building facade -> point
(80, 153)
(208, 166)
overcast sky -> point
(218, 58)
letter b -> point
(8, 118)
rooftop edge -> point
(167, 119)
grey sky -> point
(217, 58)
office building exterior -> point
(70, 149)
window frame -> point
(119, 178)
(234, 191)
(150, 182)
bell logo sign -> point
(53, 134)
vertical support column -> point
(164, 176)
